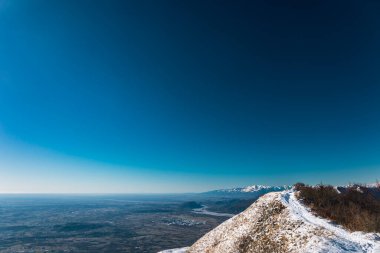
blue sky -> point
(182, 96)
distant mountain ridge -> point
(255, 188)
(252, 191)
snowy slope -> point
(278, 222)
(341, 240)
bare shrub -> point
(356, 208)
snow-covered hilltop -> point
(278, 222)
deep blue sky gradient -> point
(260, 89)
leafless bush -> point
(356, 207)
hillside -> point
(278, 222)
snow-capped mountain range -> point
(251, 192)
(256, 188)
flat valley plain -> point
(101, 223)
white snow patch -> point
(177, 250)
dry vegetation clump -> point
(356, 207)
